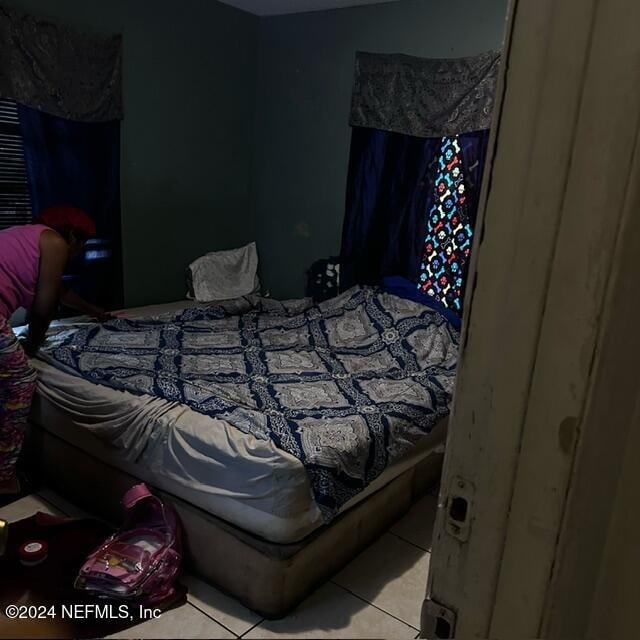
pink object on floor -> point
(142, 560)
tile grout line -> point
(375, 606)
(413, 544)
(195, 606)
(257, 624)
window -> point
(15, 206)
(448, 241)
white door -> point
(546, 345)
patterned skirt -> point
(17, 385)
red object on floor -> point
(33, 552)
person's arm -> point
(53, 258)
(71, 299)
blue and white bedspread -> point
(347, 386)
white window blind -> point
(15, 206)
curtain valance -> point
(424, 97)
(59, 70)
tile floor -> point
(377, 595)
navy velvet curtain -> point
(387, 197)
(78, 163)
(390, 191)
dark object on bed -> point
(323, 279)
(403, 288)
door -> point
(547, 386)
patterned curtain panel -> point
(58, 70)
(455, 179)
(424, 97)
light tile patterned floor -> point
(377, 595)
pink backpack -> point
(142, 560)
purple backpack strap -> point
(135, 494)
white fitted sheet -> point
(206, 461)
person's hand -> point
(100, 315)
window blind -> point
(15, 206)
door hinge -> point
(459, 508)
(437, 621)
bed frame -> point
(269, 578)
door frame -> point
(544, 354)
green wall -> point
(189, 89)
(236, 129)
(305, 72)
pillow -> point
(223, 275)
(403, 288)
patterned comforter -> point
(347, 386)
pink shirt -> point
(19, 266)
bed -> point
(284, 433)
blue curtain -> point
(78, 163)
(387, 196)
(390, 192)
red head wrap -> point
(68, 217)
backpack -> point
(142, 560)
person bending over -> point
(32, 261)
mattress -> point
(244, 480)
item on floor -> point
(223, 275)
(49, 582)
(142, 560)
(4, 530)
(33, 552)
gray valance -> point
(425, 97)
(58, 70)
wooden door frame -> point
(548, 298)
